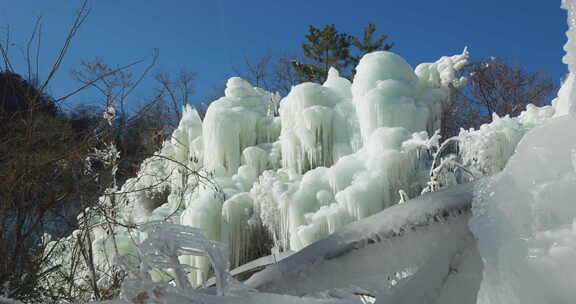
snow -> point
(109, 114)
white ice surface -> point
(525, 219)
(374, 252)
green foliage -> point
(366, 45)
(327, 48)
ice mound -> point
(525, 217)
(234, 122)
(338, 152)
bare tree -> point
(176, 91)
(40, 162)
(138, 131)
(283, 75)
(257, 71)
(49, 167)
(494, 87)
(274, 73)
(115, 85)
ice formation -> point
(525, 217)
(565, 102)
(316, 178)
(526, 220)
(234, 122)
(337, 152)
(317, 124)
(386, 253)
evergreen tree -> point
(328, 48)
(366, 45)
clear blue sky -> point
(210, 37)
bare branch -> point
(81, 16)
(35, 31)
(101, 77)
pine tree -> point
(328, 48)
(367, 45)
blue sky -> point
(211, 37)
